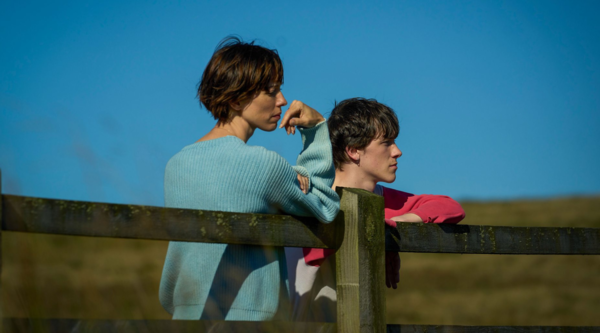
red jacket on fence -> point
(312, 278)
(430, 208)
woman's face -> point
(264, 111)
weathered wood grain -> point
(27, 325)
(490, 329)
(28, 214)
(360, 263)
(22, 325)
(1, 311)
(65, 217)
(450, 238)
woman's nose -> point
(281, 101)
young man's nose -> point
(396, 153)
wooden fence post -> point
(1, 222)
(360, 271)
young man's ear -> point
(353, 154)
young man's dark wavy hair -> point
(237, 71)
(355, 122)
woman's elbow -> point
(331, 214)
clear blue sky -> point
(496, 99)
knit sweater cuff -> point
(315, 133)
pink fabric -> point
(430, 208)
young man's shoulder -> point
(390, 192)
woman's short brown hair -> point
(237, 71)
(355, 122)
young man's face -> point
(378, 160)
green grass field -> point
(79, 277)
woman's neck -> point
(235, 127)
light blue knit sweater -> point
(240, 282)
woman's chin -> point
(269, 127)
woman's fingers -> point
(290, 130)
(293, 111)
(300, 114)
(308, 117)
(303, 183)
(290, 116)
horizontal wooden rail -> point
(18, 325)
(65, 217)
(490, 329)
(482, 239)
(80, 218)
(26, 325)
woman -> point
(240, 87)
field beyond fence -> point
(51, 276)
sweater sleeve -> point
(430, 208)
(316, 158)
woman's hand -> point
(392, 269)
(303, 183)
(300, 114)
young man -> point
(362, 133)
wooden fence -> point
(358, 233)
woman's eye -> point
(274, 91)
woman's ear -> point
(236, 105)
(353, 154)
(241, 105)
